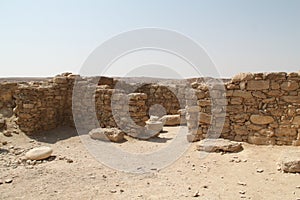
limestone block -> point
(274, 85)
(241, 93)
(285, 131)
(254, 127)
(39, 153)
(276, 75)
(291, 99)
(275, 93)
(240, 130)
(236, 100)
(259, 94)
(261, 140)
(204, 102)
(296, 120)
(261, 119)
(258, 85)
(289, 85)
(205, 118)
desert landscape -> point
(150, 100)
(242, 137)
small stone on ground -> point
(9, 180)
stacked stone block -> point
(261, 108)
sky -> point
(45, 38)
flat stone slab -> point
(39, 153)
(171, 120)
(107, 134)
(219, 145)
(145, 135)
(290, 163)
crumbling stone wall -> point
(45, 105)
(7, 91)
(261, 108)
(7, 104)
(112, 107)
(170, 97)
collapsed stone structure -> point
(261, 108)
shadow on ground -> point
(55, 135)
(159, 140)
(65, 132)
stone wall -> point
(262, 108)
(45, 105)
(113, 108)
(171, 98)
(7, 91)
(7, 104)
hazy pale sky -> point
(45, 38)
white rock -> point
(153, 118)
(39, 153)
(218, 145)
(154, 128)
(9, 180)
(106, 134)
(290, 163)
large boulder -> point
(107, 134)
(290, 163)
(261, 140)
(258, 85)
(39, 153)
(290, 85)
(219, 145)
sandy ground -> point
(75, 174)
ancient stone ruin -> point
(260, 108)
